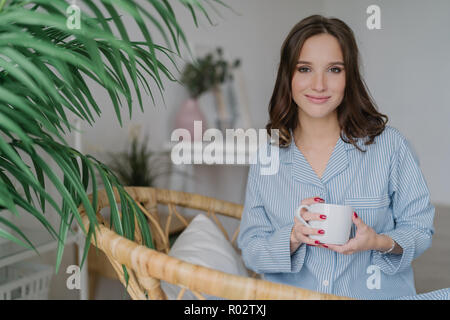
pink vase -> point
(187, 114)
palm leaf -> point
(44, 71)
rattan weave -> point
(147, 267)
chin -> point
(319, 116)
(318, 111)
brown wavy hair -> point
(357, 114)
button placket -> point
(323, 193)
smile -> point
(317, 100)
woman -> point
(335, 147)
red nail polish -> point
(317, 242)
(325, 245)
(319, 199)
(356, 216)
(322, 231)
(322, 216)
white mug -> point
(337, 225)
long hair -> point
(357, 114)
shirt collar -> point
(302, 170)
(286, 154)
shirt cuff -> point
(281, 241)
(442, 294)
(297, 258)
(391, 263)
(293, 262)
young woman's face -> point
(318, 84)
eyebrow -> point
(331, 63)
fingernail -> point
(317, 242)
(325, 245)
(323, 217)
(356, 216)
(322, 231)
(319, 199)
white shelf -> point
(227, 150)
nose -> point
(319, 82)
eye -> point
(303, 69)
(336, 70)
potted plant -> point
(205, 74)
(49, 49)
(138, 165)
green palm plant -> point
(139, 166)
(45, 66)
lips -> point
(318, 99)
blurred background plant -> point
(207, 72)
(137, 165)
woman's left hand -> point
(365, 239)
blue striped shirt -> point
(385, 186)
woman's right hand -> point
(300, 233)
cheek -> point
(299, 84)
(338, 85)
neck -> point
(317, 131)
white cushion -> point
(204, 244)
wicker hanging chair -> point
(148, 267)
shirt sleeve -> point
(412, 210)
(265, 249)
(442, 294)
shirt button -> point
(325, 283)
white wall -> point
(407, 68)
